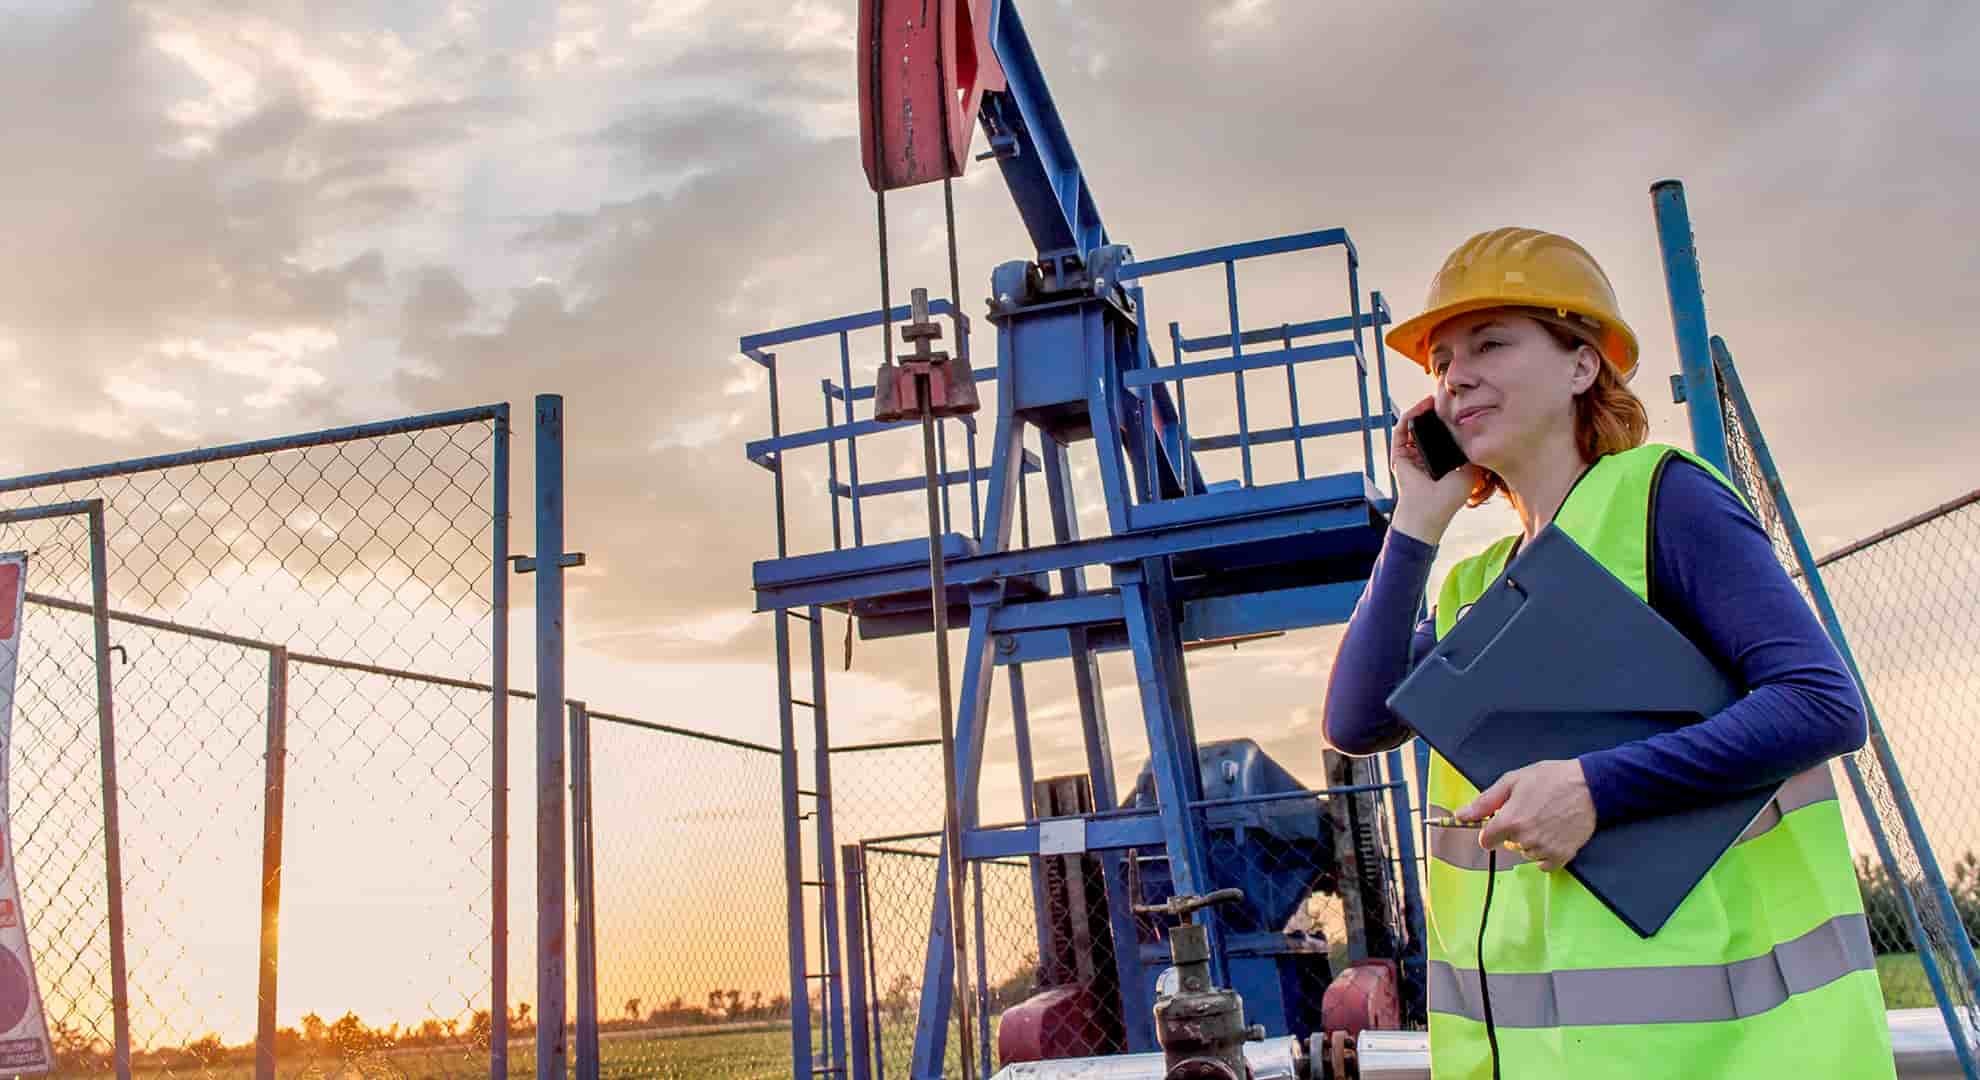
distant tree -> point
(1018, 985)
(313, 1028)
(780, 1006)
(714, 1001)
(204, 1051)
(350, 1035)
(1884, 903)
(632, 1008)
(71, 1042)
(899, 996)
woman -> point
(1765, 970)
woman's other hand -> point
(1544, 810)
(1425, 507)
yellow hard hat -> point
(1523, 268)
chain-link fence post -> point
(498, 736)
(853, 880)
(1687, 299)
(99, 598)
(584, 888)
(271, 861)
(549, 569)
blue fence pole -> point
(498, 803)
(1687, 297)
(854, 882)
(550, 868)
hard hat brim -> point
(1411, 337)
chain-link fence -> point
(692, 975)
(883, 789)
(311, 618)
(899, 876)
(1912, 632)
(1909, 597)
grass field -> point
(1905, 986)
(753, 1053)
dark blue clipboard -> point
(1559, 658)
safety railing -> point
(1260, 349)
(842, 424)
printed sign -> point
(23, 1025)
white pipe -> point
(1919, 1041)
(1271, 1059)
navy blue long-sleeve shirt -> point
(1713, 575)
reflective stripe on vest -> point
(1459, 847)
(1694, 994)
(1765, 970)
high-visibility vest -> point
(1764, 971)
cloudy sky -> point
(232, 221)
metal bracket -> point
(526, 564)
(1003, 144)
(1677, 389)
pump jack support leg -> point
(1165, 708)
(1137, 1001)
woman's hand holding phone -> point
(1424, 507)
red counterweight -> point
(1364, 996)
(934, 63)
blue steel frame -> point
(1160, 507)
(1074, 359)
(1707, 363)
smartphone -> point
(1440, 448)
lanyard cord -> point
(1485, 990)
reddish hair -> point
(1608, 416)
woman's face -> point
(1504, 385)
